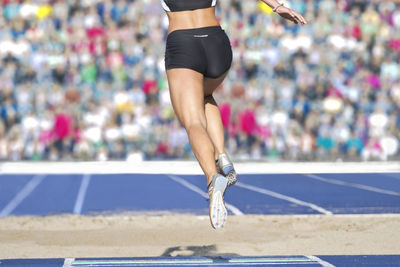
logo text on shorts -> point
(204, 35)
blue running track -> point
(255, 194)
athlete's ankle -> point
(210, 178)
(219, 152)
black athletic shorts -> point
(206, 50)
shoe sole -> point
(218, 213)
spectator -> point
(85, 80)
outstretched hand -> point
(291, 15)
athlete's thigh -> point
(187, 95)
(211, 84)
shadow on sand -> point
(209, 251)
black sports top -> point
(182, 5)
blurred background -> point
(85, 80)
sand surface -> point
(186, 235)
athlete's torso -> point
(184, 5)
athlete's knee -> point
(194, 125)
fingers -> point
(301, 19)
(292, 15)
(296, 17)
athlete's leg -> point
(214, 125)
(187, 97)
(215, 128)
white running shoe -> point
(216, 191)
(225, 167)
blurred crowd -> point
(85, 80)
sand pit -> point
(186, 235)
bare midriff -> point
(190, 19)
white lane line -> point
(320, 261)
(194, 188)
(68, 262)
(81, 194)
(25, 192)
(284, 197)
(359, 186)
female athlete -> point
(198, 56)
